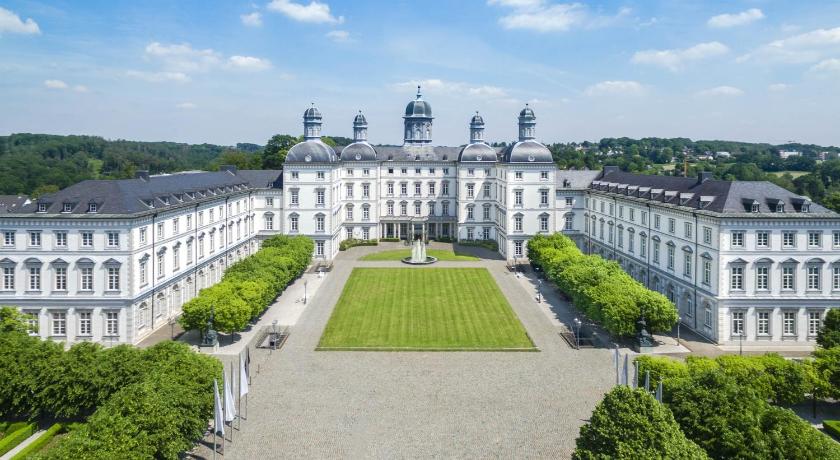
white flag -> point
(218, 412)
(230, 406)
(243, 378)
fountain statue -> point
(418, 254)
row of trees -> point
(151, 403)
(249, 286)
(721, 405)
(600, 288)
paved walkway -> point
(308, 404)
(8, 455)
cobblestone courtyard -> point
(315, 404)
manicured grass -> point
(423, 309)
(795, 174)
(399, 254)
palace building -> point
(113, 260)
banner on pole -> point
(218, 411)
(230, 407)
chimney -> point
(704, 176)
(610, 170)
(229, 168)
(142, 174)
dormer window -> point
(780, 207)
(42, 207)
(806, 207)
(67, 207)
(164, 199)
(754, 207)
(92, 207)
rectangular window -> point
(34, 238)
(143, 273)
(113, 240)
(365, 190)
(671, 251)
(737, 323)
(517, 197)
(543, 223)
(517, 223)
(689, 230)
(656, 222)
(763, 326)
(470, 212)
(8, 278)
(707, 235)
(569, 201)
(143, 234)
(176, 225)
(319, 224)
(349, 172)
(60, 278)
(269, 203)
(762, 239)
(319, 248)
(687, 262)
(620, 211)
(319, 198)
(568, 222)
(269, 222)
(644, 217)
(762, 278)
(445, 208)
(788, 240)
(814, 272)
(672, 225)
(160, 226)
(814, 322)
(8, 238)
(656, 252)
(632, 215)
(86, 275)
(403, 189)
(517, 175)
(348, 191)
(787, 278)
(789, 323)
(543, 197)
(176, 259)
(486, 190)
(87, 239)
(417, 210)
(293, 224)
(707, 316)
(543, 175)
(34, 278)
(470, 233)
(737, 239)
(365, 212)
(61, 239)
(737, 279)
(85, 323)
(835, 277)
(612, 208)
(486, 213)
(366, 172)
(470, 190)
(112, 323)
(319, 175)
(517, 248)
(707, 272)
(835, 239)
(642, 246)
(403, 209)
(349, 232)
(366, 233)
(59, 323)
(814, 239)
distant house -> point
(785, 154)
(723, 154)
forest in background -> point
(34, 164)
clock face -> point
(358, 156)
(531, 158)
(478, 157)
(307, 158)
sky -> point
(233, 71)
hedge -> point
(600, 288)
(249, 286)
(39, 443)
(389, 240)
(16, 437)
(353, 242)
(492, 245)
(832, 427)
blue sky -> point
(230, 71)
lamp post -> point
(539, 290)
(305, 283)
(273, 335)
(577, 333)
(741, 342)
(679, 321)
(172, 328)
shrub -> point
(16, 437)
(443, 239)
(39, 443)
(353, 242)
(630, 424)
(390, 240)
(600, 288)
(250, 285)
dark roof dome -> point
(528, 151)
(358, 151)
(418, 108)
(312, 112)
(477, 120)
(311, 151)
(527, 112)
(478, 152)
(360, 119)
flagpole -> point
(233, 402)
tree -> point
(274, 153)
(829, 335)
(630, 424)
(789, 436)
(12, 320)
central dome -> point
(418, 108)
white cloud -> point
(543, 16)
(615, 87)
(159, 77)
(185, 105)
(252, 19)
(827, 66)
(435, 85)
(182, 57)
(778, 87)
(802, 48)
(315, 12)
(248, 63)
(55, 84)
(80, 89)
(675, 59)
(338, 36)
(11, 23)
(736, 19)
(721, 91)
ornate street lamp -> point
(577, 333)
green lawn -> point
(399, 254)
(423, 309)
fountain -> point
(418, 254)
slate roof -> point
(575, 179)
(719, 196)
(8, 203)
(152, 194)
